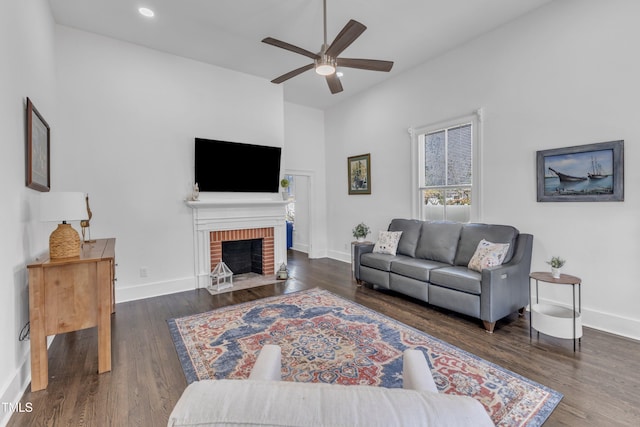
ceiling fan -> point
(326, 61)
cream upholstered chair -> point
(264, 400)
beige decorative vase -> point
(64, 242)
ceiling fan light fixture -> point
(145, 11)
(325, 66)
(325, 69)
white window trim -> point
(417, 164)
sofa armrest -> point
(268, 365)
(416, 374)
(358, 250)
(505, 288)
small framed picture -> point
(38, 146)
(359, 169)
(583, 173)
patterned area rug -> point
(325, 338)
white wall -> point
(27, 70)
(563, 75)
(305, 154)
(128, 118)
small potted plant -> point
(361, 231)
(556, 264)
(284, 183)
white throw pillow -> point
(488, 255)
(387, 242)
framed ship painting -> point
(583, 173)
(359, 174)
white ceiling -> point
(227, 33)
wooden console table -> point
(69, 295)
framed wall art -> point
(583, 173)
(38, 146)
(359, 169)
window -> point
(447, 170)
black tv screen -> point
(235, 167)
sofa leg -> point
(359, 282)
(522, 311)
(488, 326)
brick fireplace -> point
(217, 239)
(221, 220)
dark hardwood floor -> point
(600, 382)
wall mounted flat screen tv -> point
(234, 167)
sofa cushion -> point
(418, 289)
(488, 254)
(439, 241)
(472, 234)
(410, 234)
(377, 260)
(387, 242)
(415, 268)
(458, 278)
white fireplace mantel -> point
(235, 214)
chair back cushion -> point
(439, 241)
(473, 233)
(410, 234)
(285, 403)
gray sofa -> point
(431, 265)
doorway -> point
(299, 209)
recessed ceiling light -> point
(339, 73)
(145, 11)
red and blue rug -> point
(326, 338)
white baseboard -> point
(340, 256)
(300, 248)
(311, 253)
(606, 322)
(14, 389)
(154, 289)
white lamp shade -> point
(63, 206)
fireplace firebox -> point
(243, 256)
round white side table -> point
(552, 319)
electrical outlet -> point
(144, 271)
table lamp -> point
(61, 207)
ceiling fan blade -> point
(365, 64)
(334, 83)
(348, 35)
(293, 73)
(290, 47)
